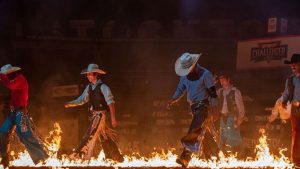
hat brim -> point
(289, 62)
(85, 71)
(185, 71)
(11, 70)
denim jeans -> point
(25, 134)
(229, 135)
(190, 141)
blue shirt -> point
(196, 90)
(296, 94)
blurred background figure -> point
(232, 115)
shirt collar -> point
(98, 81)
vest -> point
(230, 99)
(96, 99)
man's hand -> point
(114, 122)
(67, 105)
(169, 104)
(238, 121)
(284, 105)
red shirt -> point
(19, 89)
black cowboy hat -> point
(295, 59)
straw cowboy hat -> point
(92, 68)
(185, 63)
(8, 68)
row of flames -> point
(263, 158)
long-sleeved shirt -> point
(238, 100)
(84, 98)
(296, 94)
(19, 89)
(196, 90)
(284, 114)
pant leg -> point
(191, 141)
(295, 123)
(32, 144)
(222, 134)
(85, 148)
(4, 136)
(233, 135)
(110, 149)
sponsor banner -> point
(68, 90)
(266, 53)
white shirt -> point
(84, 98)
(284, 114)
(238, 100)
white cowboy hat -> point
(185, 63)
(8, 68)
(92, 68)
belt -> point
(93, 112)
(198, 104)
(205, 101)
(19, 108)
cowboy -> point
(232, 114)
(100, 101)
(292, 93)
(14, 80)
(199, 85)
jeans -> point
(190, 141)
(25, 134)
(229, 135)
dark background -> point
(137, 42)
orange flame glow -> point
(263, 158)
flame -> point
(263, 159)
(52, 142)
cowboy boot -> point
(184, 158)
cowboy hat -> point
(185, 63)
(295, 59)
(92, 68)
(8, 68)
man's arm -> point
(113, 114)
(109, 98)
(210, 85)
(211, 89)
(178, 93)
(84, 98)
(240, 107)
